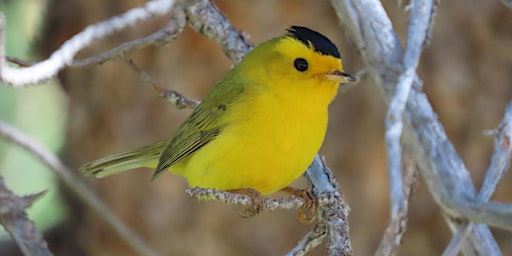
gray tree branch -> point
(63, 57)
(499, 164)
(448, 180)
(420, 17)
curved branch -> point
(75, 184)
(162, 36)
(63, 57)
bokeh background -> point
(96, 111)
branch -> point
(499, 164)
(419, 27)
(170, 31)
(19, 62)
(75, 184)
(63, 57)
(332, 209)
(501, 158)
(448, 180)
(205, 18)
(15, 221)
(170, 96)
(310, 241)
(397, 226)
(268, 203)
(419, 24)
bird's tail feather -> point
(146, 156)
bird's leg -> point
(307, 211)
(257, 201)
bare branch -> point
(418, 28)
(448, 180)
(332, 209)
(19, 62)
(269, 203)
(170, 96)
(397, 226)
(63, 57)
(310, 241)
(75, 184)
(15, 221)
(455, 244)
(499, 164)
(162, 36)
(206, 19)
(501, 158)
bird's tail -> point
(146, 156)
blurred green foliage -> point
(39, 111)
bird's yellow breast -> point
(272, 138)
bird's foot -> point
(307, 211)
(257, 201)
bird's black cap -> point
(310, 37)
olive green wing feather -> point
(202, 126)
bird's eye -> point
(300, 64)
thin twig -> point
(76, 185)
(161, 37)
(453, 247)
(499, 165)
(170, 96)
(310, 241)
(15, 221)
(501, 158)
(63, 57)
(19, 62)
(170, 31)
(392, 237)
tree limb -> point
(63, 57)
(15, 221)
(420, 17)
(444, 172)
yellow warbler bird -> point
(260, 126)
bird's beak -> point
(340, 77)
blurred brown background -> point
(467, 75)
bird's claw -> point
(257, 201)
(307, 212)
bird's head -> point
(301, 56)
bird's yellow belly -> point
(266, 152)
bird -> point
(258, 128)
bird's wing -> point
(202, 126)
